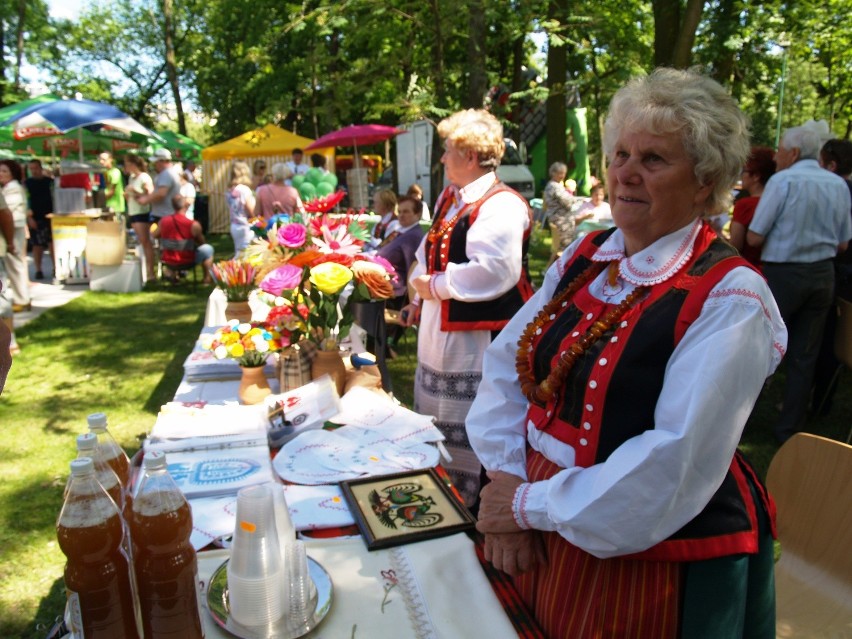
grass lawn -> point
(122, 354)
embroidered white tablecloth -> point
(433, 589)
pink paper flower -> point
(283, 278)
(292, 235)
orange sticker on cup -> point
(248, 526)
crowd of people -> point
(592, 424)
(133, 195)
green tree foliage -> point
(116, 52)
(314, 65)
(24, 28)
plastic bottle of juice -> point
(165, 561)
(97, 573)
(87, 447)
(109, 449)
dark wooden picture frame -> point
(402, 508)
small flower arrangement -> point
(250, 343)
(313, 269)
(236, 278)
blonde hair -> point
(240, 174)
(387, 198)
(281, 172)
(713, 130)
(478, 131)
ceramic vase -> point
(239, 311)
(254, 386)
(330, 363)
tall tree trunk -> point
(171, 62)
(682, 57)
(666, 27)
(727, 23)
(557, 70)
(19, 45)
(437, 172)
(674, 31)
(477, 81)
(3, 81)
(517, 84)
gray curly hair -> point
(712, 128)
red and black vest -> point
(611, 392)
(447, 243)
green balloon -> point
(324, 188)
(330, 178)
(297, 180)
(314, 175)
(308, 191)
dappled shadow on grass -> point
(50, 610)
(106, 341)
(29, 514)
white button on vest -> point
(602, 361)
(587, 426)
(589, 316)
(593, 384)
(590, 408)
(583, 441)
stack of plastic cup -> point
(301, 587)
(255, 570)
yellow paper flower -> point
(330, 277)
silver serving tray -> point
(220, 609)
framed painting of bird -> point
(404, 507)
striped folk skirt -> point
(579, 596)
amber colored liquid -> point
(121, 465)
(98, 572)
(166, 571)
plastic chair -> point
(810, 479)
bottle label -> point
(73, 615)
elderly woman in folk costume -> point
(612, 404)
(470, 279)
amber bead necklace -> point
(545, 391)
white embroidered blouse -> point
(655, 483)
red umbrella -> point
(356, 135)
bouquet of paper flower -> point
(250, 343)
(311, 272)
(236, 278)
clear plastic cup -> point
(302, 591)
(255, 570)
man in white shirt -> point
(296, 165)
(801, 222)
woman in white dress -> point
(241, 203)
(470, 279)
(11, 178)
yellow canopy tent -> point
(271, 144)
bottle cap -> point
(154, 459)
(82, 466)
(87, 441)
(97, 421)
